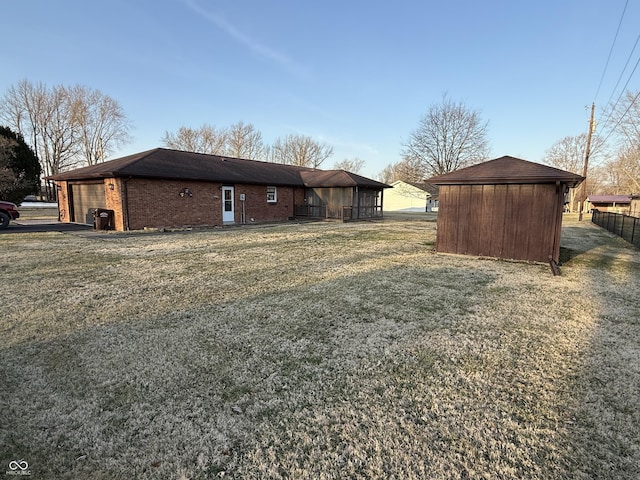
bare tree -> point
(600, 181)
(300, 150)
(387, 175)
(624, 171)
(44, 117)
(622, 120)
(206, 139)
(622, 123)
(407, 170)
(245, 141)
(567, 153)
(450, 136)
(353, 165)
(66, 127)
(102, 124)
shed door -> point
(86, 197)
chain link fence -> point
(622, 225)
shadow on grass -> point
(456, 368)
(607, 421)
(419, 370)
(197, 389)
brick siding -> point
(157, 203)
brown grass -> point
(317, 351)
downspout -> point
(293, 203)
(125, 200)
(557, 229)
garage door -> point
(87, 197)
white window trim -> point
(275, 195)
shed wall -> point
(519, 222)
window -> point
(272, 195)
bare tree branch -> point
(66, 127)
(245, 141)
(300, 150)
(206, 139)
(449, 136)
(353, 165)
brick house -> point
(171, 188)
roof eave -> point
(511, 181)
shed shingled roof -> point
(163, 163)
(506, 170)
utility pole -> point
(583, 187)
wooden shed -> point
(505, 208)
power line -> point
(625, 112)
(611, 50)
(620, 78)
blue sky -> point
(355, 74)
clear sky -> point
(355, 74)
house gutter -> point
(125, 200)
(557, 226)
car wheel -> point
(4, 220)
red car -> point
(8, 211)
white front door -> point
(227, 205)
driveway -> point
(38, 226)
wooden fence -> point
(622, 225)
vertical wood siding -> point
(519, 222)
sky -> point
(354, 74)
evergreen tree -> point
(19, 167)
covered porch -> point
(341, 203)
(340, 195)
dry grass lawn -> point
(317, 350)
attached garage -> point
(87, 197)
(505, 208)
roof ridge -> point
(227, 157)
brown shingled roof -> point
(506, 170)
(609, 198)
(176, 164)
(337, 178)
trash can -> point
(102, 219)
